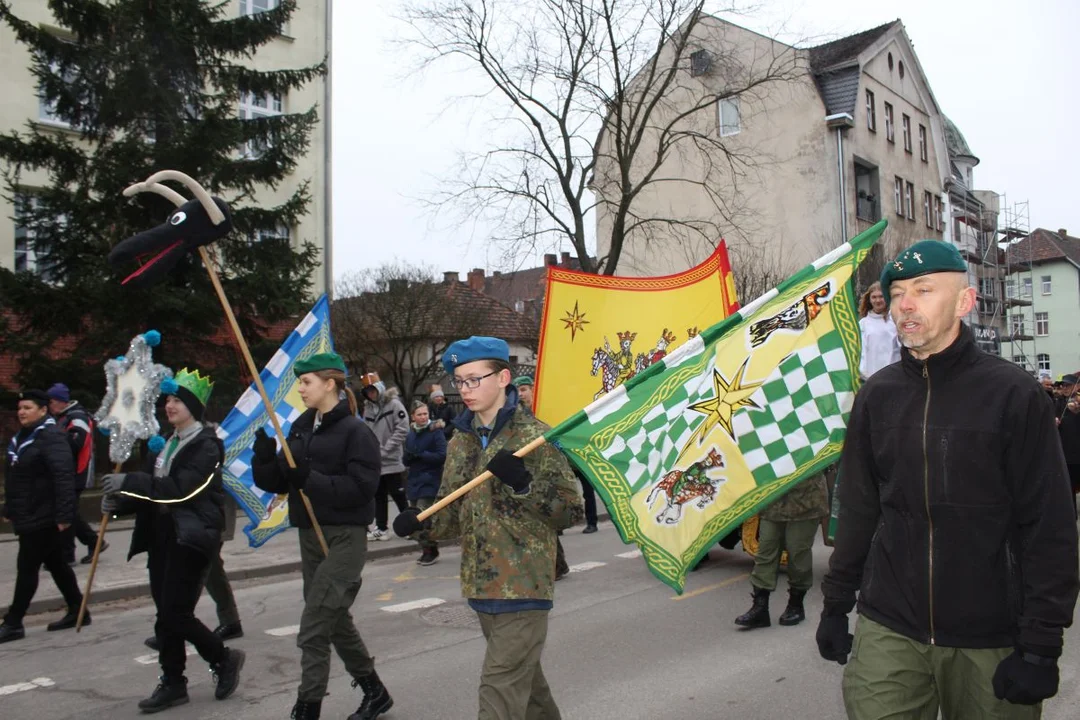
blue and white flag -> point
(269, 513)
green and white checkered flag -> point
(730, 420)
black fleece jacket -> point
(956, 522)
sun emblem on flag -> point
(728, 397)
(574, 321)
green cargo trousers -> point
(423, 537)
(892, 677)
(512, 684)
(330, 587)
(795, 536)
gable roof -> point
(836, 69)
(1042, 246)
(495, 318)
(846, 49)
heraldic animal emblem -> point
(797, 316)
(682, 486)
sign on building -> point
(987, 338)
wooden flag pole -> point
(476, 481)
(93, 563)
(216, 282)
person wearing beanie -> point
(955, 536)
(177, 500)
(39, 494)
(442, 415)
(79, 425)
(507, 526)
(337, 466)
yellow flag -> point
(599, 331)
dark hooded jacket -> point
(39, 479)
(425, 454)
(191, 497)
(343, 455)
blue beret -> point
(473, 349)
(922, 258)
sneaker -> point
(371, 534)
(168, 693)
(589, 529)
(379, 535)
(227, 673)
(229, 632)
(8, 633)
(429, 557)
(90, 553)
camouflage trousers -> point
(424, 536)
(512, 684)
(330, 587)
(795, 536)
(892, 677)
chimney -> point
(497, 274)
(566, 259)
(1063, 233)
(450, 277)
(550, 259)
(476, 279)
(530, 308)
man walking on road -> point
(39, 495)
(955, 521)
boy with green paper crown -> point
(178, 501)
(507, 526)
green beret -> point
(321, 361)
(522, 380)
(922, 258)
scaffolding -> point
(1013, 239)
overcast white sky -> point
(1005, 72)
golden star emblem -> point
(719, 410)
(574, 321)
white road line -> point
(630, 555)
(42, 682)
(582, 567)
(153, 658)
(284, 631)
(414, 605)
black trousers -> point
(176, 580)
(37, 548)
(389, 486)
(590, 500)
(80, 530)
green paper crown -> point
(196, 383)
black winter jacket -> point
(39, 479)
(191, 496)
(425, 454)
(343, 454)
(956, 522)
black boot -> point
(227, 673)
(229, 632)
(758, 614)
(169, 693)
(306, 710)
(794, 613)
(377, 699)
(68, 621)
(152, 643)
(9, 633)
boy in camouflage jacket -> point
(507, 527)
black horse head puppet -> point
(193, 225)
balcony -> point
(1018, 302)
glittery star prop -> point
(574, 321)
(718, 410)
(133, 384)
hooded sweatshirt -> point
(389, 421)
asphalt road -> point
(621, 646)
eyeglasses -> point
(471, 383)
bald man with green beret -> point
(956, 534)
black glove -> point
(1026, 679)
(833, 638)
(406, 522)
(510, 469)
(265, 447)
(298, 476)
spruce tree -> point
(146, 86)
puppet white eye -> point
(178, 218)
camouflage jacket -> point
(809, 500)
(507, 540)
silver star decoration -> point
(128, 410)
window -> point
(1044, 361)
(890, 131)
(27, 258)
(258, 106)
(253, 7)
(907, 131)
(871, 112)
(928, 208)
(1046, 284)
(987, 287)
(280, 233)
(46, 109)
(898, 195)
(1042, 324)
(730, 117)
(1018, 359)
(1017, 324)
(867, 188)
(939, 213)
(901, 66)
(923, 151)
(1025, 288)
(909, 200)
